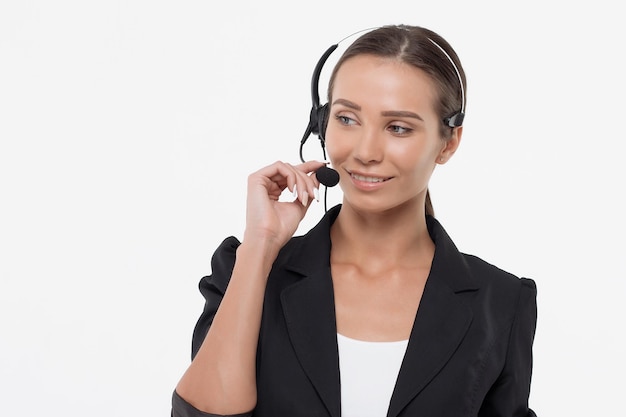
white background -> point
(128, 128)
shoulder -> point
(222, 264)
(465, 271)
(501, 294)
(488, 274)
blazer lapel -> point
(309, 310)
(441, 322)
(310, 316)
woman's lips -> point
(365, 178)
(367, 182)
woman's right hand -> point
(269, 219)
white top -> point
(368, 372)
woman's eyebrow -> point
(400, 113)
(388, 113)
(347, 103)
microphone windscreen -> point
(327, 176)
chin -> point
(381, 205)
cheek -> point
(418, 155)
(335, 149)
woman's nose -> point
(369, 148)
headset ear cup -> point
(322, 121)
(314, 120)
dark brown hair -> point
(413, 45)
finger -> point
(311, 168)
(303, 186)
(301, 183)
(311, 180)
(279, 174)
(299, 179)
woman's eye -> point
(345, 120)
(400, 130)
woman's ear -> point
(450, 146)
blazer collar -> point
(448, 262)
(439, 327)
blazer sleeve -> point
(212, 287)
(508, 397)
(181, 408)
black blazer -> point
(469, 353)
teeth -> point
(367, 179)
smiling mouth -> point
(368, 179)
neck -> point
(396, 237)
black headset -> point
(318, 118)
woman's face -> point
(383, 133)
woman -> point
(374, 312)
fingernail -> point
(316, 193)
(305, 198)
(295, 191)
